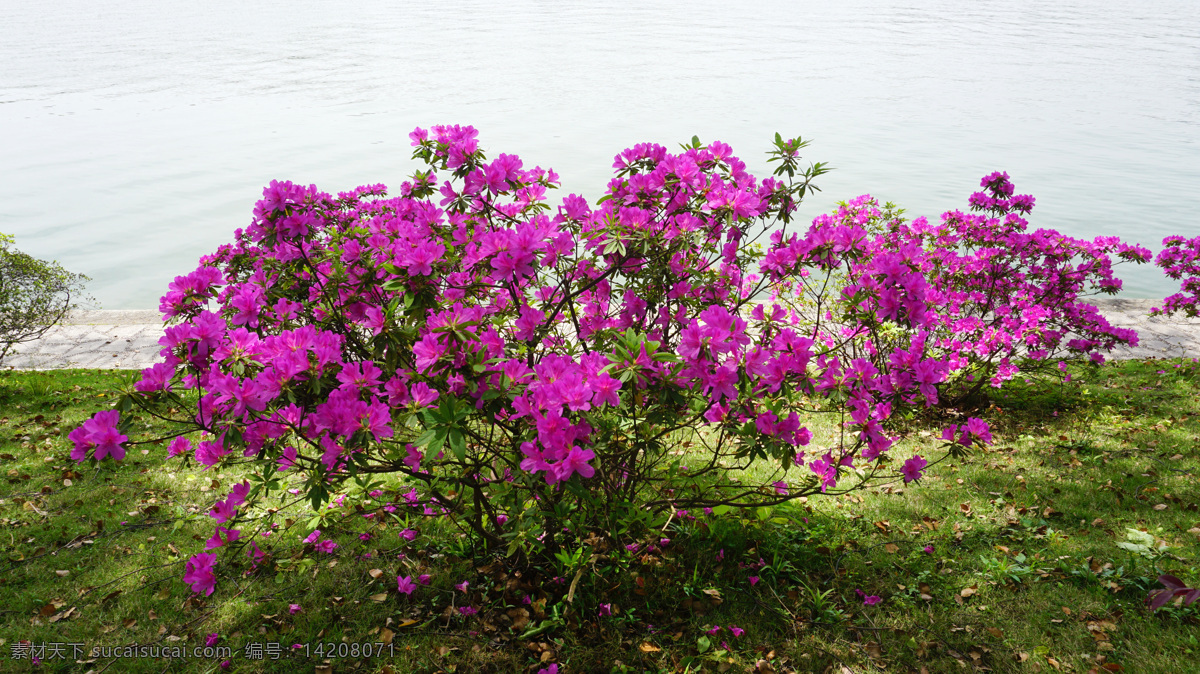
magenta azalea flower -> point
(155, 378)
(422, 395)
(237, 495)
(979, 428)
(576, 461)
(179, 445)
(223, 511)
(412, 457)
(912, 469)
(199, 573)
(230, 535)
(99, 433)
(405, 584)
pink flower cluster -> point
(1180, 259)
(99, 434)
(225, 511)
(198, 572)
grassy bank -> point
(1034, 555)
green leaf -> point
(439, 439)
(426, 438)
(125, 404)
(447, 409)
(457, 444)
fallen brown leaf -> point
(647, 647)
(519, 617)
(63, 615)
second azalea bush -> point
(549, 375)
(1180, 260)
(990, 297)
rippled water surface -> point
(135, 136)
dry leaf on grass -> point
(647, 647)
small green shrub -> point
(34, 295)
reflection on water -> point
(137, 136)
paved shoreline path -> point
(128, 340)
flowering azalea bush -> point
(1017, 300)
(1180, 259)
(992, 298)
(546, 375)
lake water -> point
(135, 135)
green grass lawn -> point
(1033, 555)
